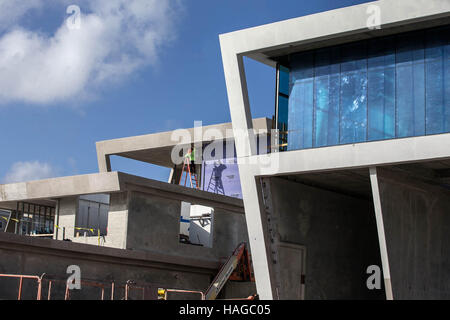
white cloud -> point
(116, 38)
(27, 171)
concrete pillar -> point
(117, 221)
(381, 233)
(56, 231)
(104, 163)
(67, 212)
(246, 147)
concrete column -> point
(104, 163)
(245, 147)
(56, 221)
(258, 237)
(381, 233)
(117, 221)
(238, 101)
(67, 212)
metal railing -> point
(184, 291)
(104, 286)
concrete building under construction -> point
(352, 172)
(123, 228)
(362, 174)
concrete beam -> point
(111, 182)
(156, 148)
(299, 33)
(358, 155)
(60, 187)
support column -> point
(381, 233)
(258, 236)
(104, 163)
(246, 147)
(56, 221)
(103, 160)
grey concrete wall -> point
(339, 233)
(154, 225)
(417, 226)
(33, 256)
(237, 289)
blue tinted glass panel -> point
(301, 100)
(282, 104)
(410, 86)
(326, 97)
(353, 113)
(284, 80)
(381, 89)
(434, 61)
(446, 32)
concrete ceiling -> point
(356, 182)
(351, 182)
(280, 54)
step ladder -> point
(187, 169)
(215, 183)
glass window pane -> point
(410, 85)
(446, 32)
(283, 106)
(381, 89)
(434, 61)
(284, 80)
(326, 95)
(353, 111)
(301, 102)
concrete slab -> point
(156, 148)
(110, 182)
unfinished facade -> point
(119, 227)
(361, 176)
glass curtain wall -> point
(382, 88)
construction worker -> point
(191, 156)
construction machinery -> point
(237, 267)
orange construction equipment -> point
(240, 259)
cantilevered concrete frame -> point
(156, 148)
(263, 43)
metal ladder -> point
(215, 184)
(186, 164)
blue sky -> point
(51, 114)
